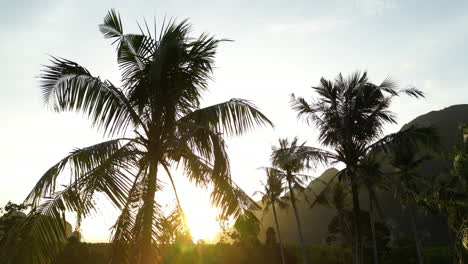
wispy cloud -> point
(309, 26)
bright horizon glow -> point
(202, 222)
(200, 215)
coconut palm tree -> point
(289, 159)
(350, 115)
(407, 185)
(370, 170)
(155, 121)
(272, 196)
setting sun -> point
(201, 220)
(200, 216)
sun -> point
(201, 220)
(200, 216)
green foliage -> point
(12, 214)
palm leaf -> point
(80, 161)
(68, 86)
(234, 117)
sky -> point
(278, 48)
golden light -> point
(201, 220)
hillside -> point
(315, 221)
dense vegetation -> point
(155, 123)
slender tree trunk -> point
(356, 223)
(371, 215)
(181, 212)
(148, 256)
(283, 261)
(298, 223)
(416, 239)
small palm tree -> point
(407, 185)
(371, 173)
(337, 197)
(350, 114)
(289, 159)
(272, 196)
(156, 121)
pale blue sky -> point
(279, 47)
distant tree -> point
(156, 119)
(340, 227)
(373, 177)
(10, 216)
(289, 160)
(247, 227)
(272, 196)
(350, 114)
(14, 243)
(407, 185)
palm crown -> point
(157, 117)
(273, 190)
(350, 114)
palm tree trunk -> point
(298, 223)
(416, 239)
(374, 240)
(283, 261)
(181, 212)
(148, 256)
(357, 251)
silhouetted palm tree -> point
(373, 177)
(289, 159)
(350, 114)
(407, 185)
(272, 196)
(156, 118)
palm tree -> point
(337, 197)
(156, 121)
(272, 197)
(447, 196)
(407, 185)
(370, 171)
(288, 160)
(350, 114)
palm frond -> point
(234, 117)
(122, 231)
(231, 199)
(413, 137)
(80, 162)
(112, 26)
(68, 86)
